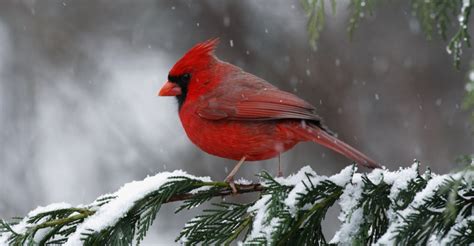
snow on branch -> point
(382, 207)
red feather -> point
(198, 57)
(233, 114)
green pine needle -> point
(434, 16)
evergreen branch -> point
(54, 219)
(360, 8)
(226, 218)
(436, 211)
(375, 203)
(433, 15)
(143, 213)
(370, 202)
(433, 216)
(63, 222)
(307, 229)
(405, 197)
(439, 15)
(293, 213)
(461, 234)
(83, 213)
(7, 227)
(277, 215)
(462, 35)
(383, 207)
(315, 11)
(468, 103)
(246, 223)
(218, 189)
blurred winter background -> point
(79, 116)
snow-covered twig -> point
(62, 223)
(382, 208)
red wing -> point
(263, 104)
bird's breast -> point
(257, 140)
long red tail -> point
(317, 135)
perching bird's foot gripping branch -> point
(382, 207)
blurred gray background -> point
(79, 116)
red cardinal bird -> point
(237, 115)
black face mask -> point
(182, 81)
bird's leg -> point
(230, 177)
(280, 173)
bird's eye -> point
(186, 76)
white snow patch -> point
(345, 233)
(344, 176)
(401, 178)
(242, 181)
(200, 189)
(49, 208)
(259, 227)
(293, 179)
(348, 202)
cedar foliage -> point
(448, 19)
(383, 207)
(435, 17)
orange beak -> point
(169, 89)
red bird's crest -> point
(200, 56)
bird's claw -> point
(279, 174)
(231, 183)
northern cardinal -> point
(236, 115)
